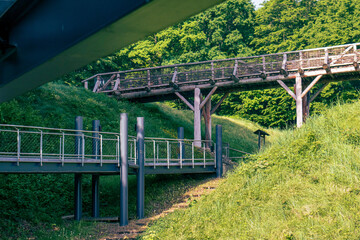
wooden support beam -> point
(185, 100)
(306, 107)
(235, 78)
(311, 85)
(318, 92)
(235, 68)
(107, 83)
(97, 84)
(219, 103)
(292, 94)
(299, 102)
(283, 70)
(207, 118)
(117, 82)
(208, 97)
(174, 75)
(197, 118)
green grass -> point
(31, 204)
(305, 186)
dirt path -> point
(112, 231)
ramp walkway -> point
(40, 150)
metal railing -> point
(233, 154)
(42, 145)
(242, 68)
(39, 144)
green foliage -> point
(305, 186)
(234, 29)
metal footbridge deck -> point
(26, 149)
(29, 149)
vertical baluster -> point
(148, 78)
(83, 149)
(355, 54)
(131, 150)
(157, 153)
(154, 148)
(212, 71)
(215, 155)
(18, 146)
(181, 155)
(135, 150)
(118, 150)
(168, 154)
(60, 147)
(204, 156)
(63, 149)
(192, 154)
(101, 150)
(41, 148)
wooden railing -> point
(236, 69)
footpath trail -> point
(112, 231)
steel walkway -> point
(37, 150)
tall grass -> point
(305, 186)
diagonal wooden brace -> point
(185, 100)
(292, 94)
(219, 103)
(202, 104)
(318, 92)
(311, 85)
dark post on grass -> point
(181, 135)
(78, 152)
(124, 169)
(218, 151)
(95, 177)
(140, 172)
(261, 136)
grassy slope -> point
(43, 198)
(305, 186)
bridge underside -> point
(43, 40)
(11, 165)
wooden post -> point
(306, 106)
(207, 117)
(299, 102)
(197, 118)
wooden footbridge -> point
(28, 149)
(301, 69)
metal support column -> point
(95, 196)
(218, 151)
(197, 118)
(140, 201)
(95, 177)
(181, 135)
(77, 182)
(299, 102)
(78, 197)
(124, 218)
